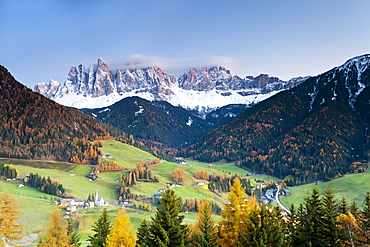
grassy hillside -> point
(124, 154)
(352, 186)
(36, 206)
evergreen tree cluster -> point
(142, 206)
(322, 220)
(8, 171)
(166, 227)
(222, 183)
(46, 185)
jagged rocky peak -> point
(206, 88)
(48, 90)
(205, 79)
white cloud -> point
(179, 66)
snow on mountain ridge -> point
(202, 89)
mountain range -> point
(155, 123)
(315, 131)
(203, 89)
(160, 124)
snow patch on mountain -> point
(141, 110)
(189, 122)
(200, 89)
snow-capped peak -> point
(202, 89)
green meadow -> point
(126, 155)
(36, 206)
(352, 186)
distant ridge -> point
(203, 89)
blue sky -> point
(41, 40)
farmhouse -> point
(73, 202)
(157, 195)
(106, 156)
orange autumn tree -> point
(179, 176)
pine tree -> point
(143, 234)
(353, 208)
(101, 228)
(56, 235)
(364, 222)
(264, 228)
(122, 234)
(74, 238)
(166, 228)
(330, 220)
(290, 226)
(343, 207)
(10, 230)
(310, 215)
(205, 230)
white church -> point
(99, 201)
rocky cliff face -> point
(206, 89)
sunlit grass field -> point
(352, 186)
(126, 155)
(37, 206)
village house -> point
(270, 193)
(157, 195)
(73, 202)
(200, 183)
(106, 156)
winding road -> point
(278, 201)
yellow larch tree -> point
(10, 229)
(122, 234)
(349, 228)
(235, 214)
(56, 235)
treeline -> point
(124, 193)
(140, 173)
(8, 171)
(222, 183)
(107, 166)
(46, 185)
(193, 205)
(142, 206)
